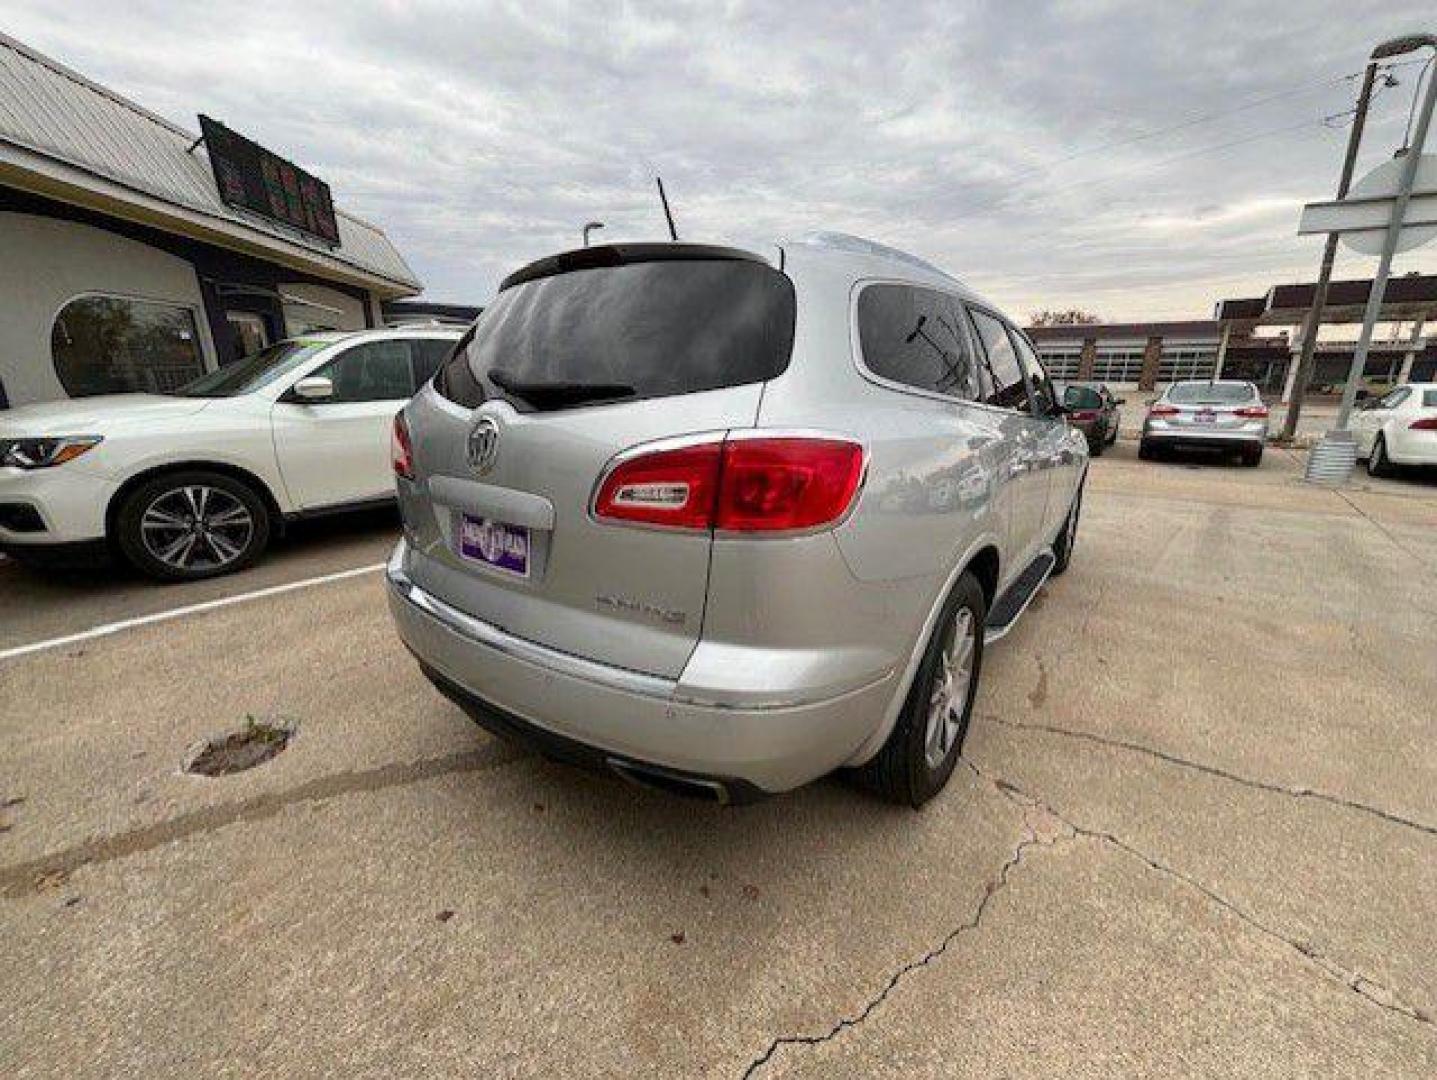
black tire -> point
(1252, 458)
(212, 547)
(1095, 449)
(1113, 435)
(1378, 463)
(900, 772)
(1146, 450)
(1063, 545)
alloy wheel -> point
(197, 527)
(949, 697)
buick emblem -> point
(482, 447)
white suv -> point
(192, 484)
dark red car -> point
(1093, 410)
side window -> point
(1040, 385)
(912, 336)
(374, 371)
(428, 353)
(1007, 385)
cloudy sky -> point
(1133, 158)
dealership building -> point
(136, 255)
(1258, 339)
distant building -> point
(124, 269)
(1145, 356)
(399, 312)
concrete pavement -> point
(1197, 836)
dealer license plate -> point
(495, 544)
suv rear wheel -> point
(192, 524)
(923, 749)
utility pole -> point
(1329, 255)
(1413, 152)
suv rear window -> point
(1201, 393)
(620, 333)
(1082, 397)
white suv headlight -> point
(45, 452)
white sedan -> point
(1399, 428)
(193, 484)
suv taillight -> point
(1083, 416)
(767, 484)
(401, 450)
(674, 487)
(1163, 410)
(1427, 423)
(1253, 412)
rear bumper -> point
(1408, 447)
(1248, 435)
(612, 713)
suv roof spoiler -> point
(622, 254)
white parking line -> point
(180, 612)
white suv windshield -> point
(254, 371)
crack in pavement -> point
(33, 876)
(1391, 538)
(995, 885)
(1214, 770)
(1370, 990)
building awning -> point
(70, 139)
(1413, 296)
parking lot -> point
(1197, 833)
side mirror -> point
(313, 388)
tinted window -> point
(1201, 393)
(111, 345)
(374, 371)
(1039, 383)
(428, 354)
(1429, 398)
(1082, 397)
(651, 328)
(911, 336)
(1006, 384)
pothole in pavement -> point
(236, 751)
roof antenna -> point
(673, 233)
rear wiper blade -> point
(557, 393)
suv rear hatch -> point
(580, 358)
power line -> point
(1179, 126)
(1155, 164)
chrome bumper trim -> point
(490, 636)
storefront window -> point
(111, 345)
(249, 331)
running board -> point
(1015, 601)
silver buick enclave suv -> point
(723, 523)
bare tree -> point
(1067, 317)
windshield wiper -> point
(555, 394)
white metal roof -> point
(71, 132)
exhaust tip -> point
(672, 783)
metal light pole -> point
(1379, 206)
(1329, 254)
(590, 227)
(1395, 47)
